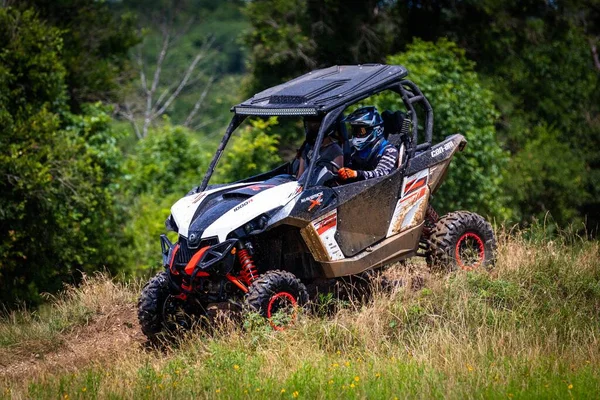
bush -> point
(461, 105)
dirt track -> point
(104, 338)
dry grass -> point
(528, 328)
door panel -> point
(364, 212)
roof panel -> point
(324, 89)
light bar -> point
(275, 111)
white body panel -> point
(246, 211)
(326, 227)
(183, 211)
(412, 204)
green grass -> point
(527, 329)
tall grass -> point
(527, 328)
(41, 329)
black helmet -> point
(367, 126)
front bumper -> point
(217, 259)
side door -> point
(365, 211)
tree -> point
(146, 105)
(96, 42)
(56, 196)
(461, 105)
(251, 152)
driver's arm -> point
(385, 165)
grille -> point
(184, 255)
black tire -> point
(273, 291)
(160, 314)
(150, 305)
(461, 240)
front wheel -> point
(277, 295)
(159, 312)
(461, 240)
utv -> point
(256, 243)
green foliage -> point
(461, 105)
(95, 47)
(161, 169)
(169, 160)
(253, 151)
(280, 47)
(547, 177)
(56, 200)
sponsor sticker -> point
(442, 149)
(244, 204)
(314, 199)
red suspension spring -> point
(249, 272)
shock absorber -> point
(248, 273)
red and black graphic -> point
(414, 185)
(259, 188)
(326, 224)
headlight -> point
(256, 225)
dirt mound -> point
(104, 338)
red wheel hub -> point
(281, 302)
(470, 251)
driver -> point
(373, 156)
(328, 152)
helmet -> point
(367, 127)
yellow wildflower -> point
(378, 375)
(356, 379)
(282, 391)
(84, 389)
(236, 367)
(330, 382)
(335, 365)
(570, 386)
(352, 385)
(470, 367)
(347, 363)
(218, 390)
(295, 394)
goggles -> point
(359, 131)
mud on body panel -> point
(410, 209)
(320, 238)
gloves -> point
(347, 173)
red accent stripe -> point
(414, 185)
(175, 250)
(326, 226)
(189, 268)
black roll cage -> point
(409, 93)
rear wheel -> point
(461, 240)
(277, 295)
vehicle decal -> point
(314, 199)
(244, 204)
(411, 207)
(414, 185)
(442, 149)
(320, 238)
(258, 188)
(326, 226)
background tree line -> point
(110, 111)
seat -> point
(396, 128)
